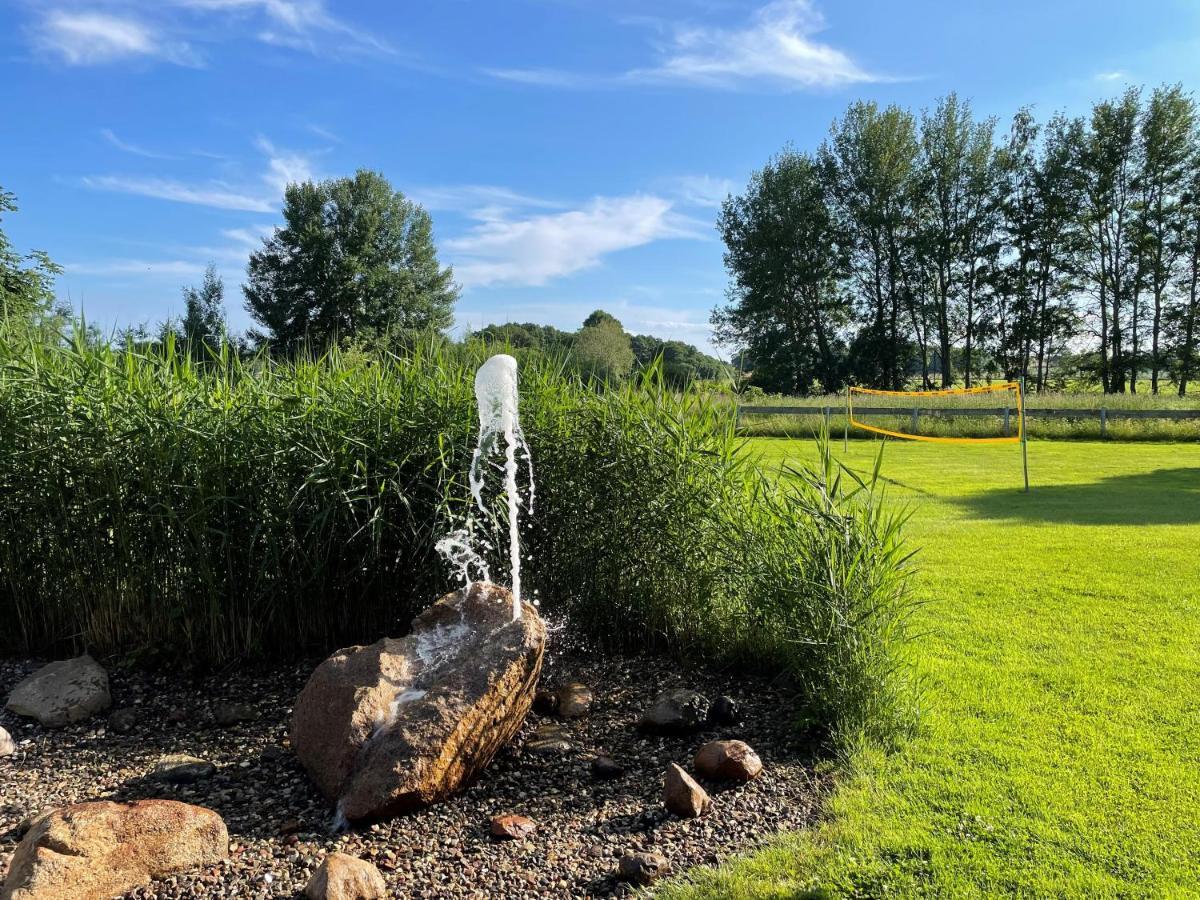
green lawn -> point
(1060, 751)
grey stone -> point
(179, 768)
(676, 712)
(62, 692)
(7, 746)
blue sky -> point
(571, 153)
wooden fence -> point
(1007, 413)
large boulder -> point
(404, 723)
(62, 692)
(93, 851)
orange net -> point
(1012, 388)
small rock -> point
(545, 703)
(607, 767)
(642, 868)
(574, 700)
(727, 761)
(682, 795)
(122, 721)
(724, 711)
(179, 768)
(291, 826)
(178, 715)
(7, 746)
(676, 711)
(512, 827)
(62, 692)
(272, 753)
(344, 877)
(91, 851)
(230, 713)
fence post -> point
(915, 425)
(1103, 421)
(1006, 421)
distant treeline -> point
(930, 249)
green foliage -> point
(203, 323)
(526, 336)
(283, 508)
(26, 281)
(682, 364)
(923, 250)
(353, 258)
(603, 350)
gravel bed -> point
(280, 826)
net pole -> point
(1024, 433)
(846, 424)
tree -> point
(871, 157)
(682, 363)
(1167, 135)
(26, 280)
(603, 350)
(354, 258)
(600, 317)
(1110, 166)
(956, 176)
(204, 313)
(786, 305)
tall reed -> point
(221, 510)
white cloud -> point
(532, 250)
(88, 38)
(283, 168)
(298, 24)
(483, 202)
(776, 47)
(169, 189)
(136, 150)
(1115, 75)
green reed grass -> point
(212, 511)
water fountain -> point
(405, 722)
(496, 399)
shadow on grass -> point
(1161, 497)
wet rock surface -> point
(402, 723)
(279, 823)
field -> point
(1060, 749)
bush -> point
(227, 510)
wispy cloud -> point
(88, 38)
(702, 190)
(777, 47)
(1115, 75)
(127, 147)
(534, 249)
(479, 201)
(282, 168)
(298, 24)
(169, 189)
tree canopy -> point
(353, 259)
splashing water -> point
(496, 398)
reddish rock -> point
(727, 761)
(344, 877)
(93, 851)
(512, 827)
(682, 795)
(404, 723)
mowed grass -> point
(1060, 750)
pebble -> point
(584, 823)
